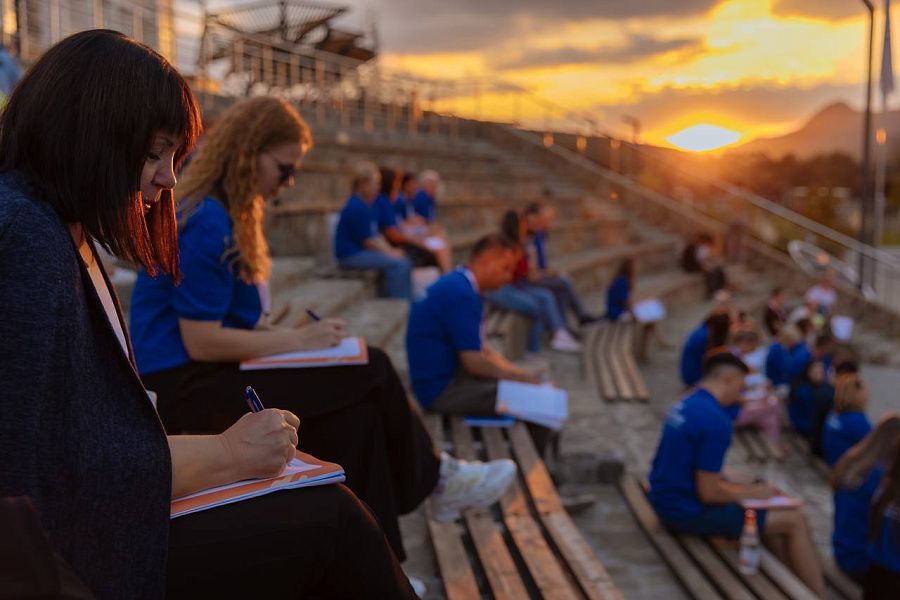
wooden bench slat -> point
(542, 563)
(501, 571)
(623, 385)
(456, 573)
(717, 571)
(641, 392)
(783, 578)
(602, 352)
(681, 565)
(592, 576)
(757, 583)
(839, 580)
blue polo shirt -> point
(355, 225)
(540, 249)
(800, 407)
(211, 290)
(777, 365)
(384, 214)
(800, 355)
(444, 323)
(692, 356)
(425, 206)
(850, 536)
(884, 550)
(401, 207)
(617, 298)
(695, 437)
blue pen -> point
(312, 315)
(253, 400)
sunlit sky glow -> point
(756, 67)
(703, 138)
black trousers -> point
(357, 416)
(880, 583)
(319, 542)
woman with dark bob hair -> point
(89, 143)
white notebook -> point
(649, 311)
(303, 471)
(541, 404)
(351, 351)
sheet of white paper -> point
(530, 402)
(649, 311)
(773, 503)
(842, 327)
(433, 242)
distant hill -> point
(837, 128)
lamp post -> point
(867, 218)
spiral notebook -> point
(303, 471)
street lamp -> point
(867, 218)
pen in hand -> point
(312, 315)
(253, 400)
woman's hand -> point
(326, 333)
(261, 444)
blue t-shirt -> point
(401, 207)
(425, 206)
(444, 323)
(777, 365)
(540, 249)
(385, 217)
(695, 437)
(800, 407)
(211, 290)
(800, 356)
(884, 550)
(617, 298)
(692, 356)
(356, 225)
(851, 507)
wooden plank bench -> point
(513, 328)
(610, 357)
(708, 568)
(529, 547)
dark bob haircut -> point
(80, 126)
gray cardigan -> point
(78, 434)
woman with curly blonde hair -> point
(189, 338)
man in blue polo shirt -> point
(687, 487)
(452, 367)
(423, 203)
(711, 333)
(357, 244)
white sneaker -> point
(564, 342)
(465, 484)
(417, 585)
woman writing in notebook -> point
(190, 338)
(88, 144)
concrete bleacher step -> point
(289, 272)
(327, 297)
(378, 320)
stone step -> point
(596, 268)
(289, 272)
(378, 320)
(327, 297)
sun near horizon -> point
(704, 137)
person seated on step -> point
(427, 251)
(535, 302)
(775, 316)
(453, 368)
(712, 333)
(812, 391)
(778, 360)
(800, 353)
(760, 407)
(357, 243)
(822, 297)
(80, 435)
(881, 447)
(698, 257)
(424, 203)
(687, 488)
(539, 219)
(846, 426)
(619, 305)
(190, 338)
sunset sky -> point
(757, 67)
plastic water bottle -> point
(748, 558)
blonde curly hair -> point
(225, 166)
